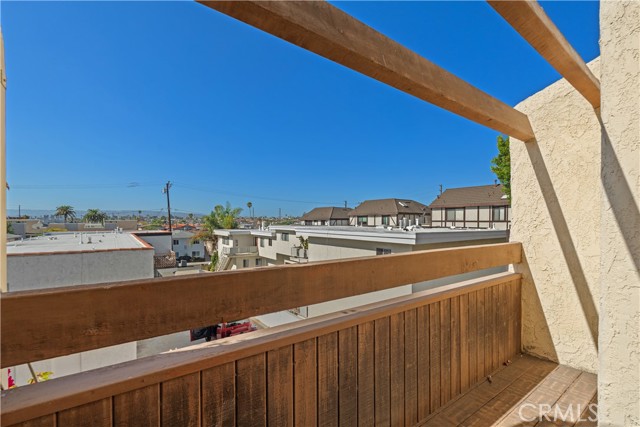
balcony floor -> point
(517, 394)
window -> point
(499, 213)
(323, 222)
(270, 242)
(245, 263)
(363, 220)
(450, 214)
(258, 262)
(196, 242)
(225, 240)
(383, 251)
(195, 254)
(385, 219)
(285, 237)
(262, 243)
(176, 242)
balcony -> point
(299, 252)
(446, 356)
(240, 250)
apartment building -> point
(390, 212)
(484, 206)
(184, 245)
(326, 216)
(280, 245)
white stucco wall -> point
(28, 272)
(619, 361)
(555, 214)
(161, 243)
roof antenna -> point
(440, 190)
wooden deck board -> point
(515, 393)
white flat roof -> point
(71, 242)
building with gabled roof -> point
(483, 206)
(390, 212)
(326, 216)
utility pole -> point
(166, 191)
(345, 204)
(441, 189)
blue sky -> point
(105, 94)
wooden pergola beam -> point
(528, 19)
(328, 31)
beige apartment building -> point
(390, 213)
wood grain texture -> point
(332, 33)
(180, 401)
(328, 387)
(81, 318)
(382, 380)
(455, 379)
(67, 392)
(473, 339)
(424, 361)
(410, 367)
(251, 391)
(348, 376)
(94, 414)
(464, 342)
(366, 391)
(219, 396)
(46, 421)
(445, 351)
(397, 368)
(139, 407)
(305, 383)
(280, 387)
(529, 19)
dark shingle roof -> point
(483, 195)
(326, 214)
(389, 207)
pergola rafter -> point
(533, 24)
(328, 31)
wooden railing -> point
(395, 361)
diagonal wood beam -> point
(528, 19)
(326, 30)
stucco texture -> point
(619, 364)
(556, 195)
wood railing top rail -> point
(328, 31)
(30, 402)
(42, 324)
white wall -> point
(619, 342)
(161, 244)
(27, 272)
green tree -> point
(95, 216)
(66, 211)
(221, 217)
(501, 165)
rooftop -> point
(389, 207)
(326, 213)
(75, 242)
(482, 195)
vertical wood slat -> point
(304, 383)
(328, 379)
(481, 335)
(348, 376)
(139, 407)
(518, 310)
(488, 339)
(473, 337)
(219, 396)
(382, 380)
(411, 368)
(464, 342)
(92, 414)
(502, 338)
(180, 401)
(397, 366)
(445, 351)
(280, 386)
(455, 346)
(434, 357)
(424, 358)
(365, 375)
(495, 344)
(251, 390)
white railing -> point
(240, 250)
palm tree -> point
(66, 211)
(249, 205)
(221, 217)
(95, 216)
